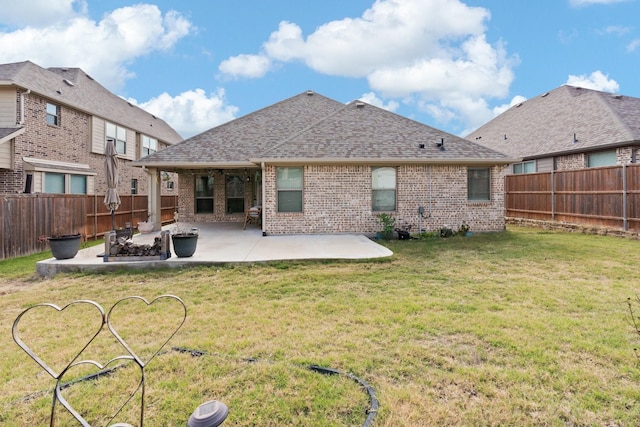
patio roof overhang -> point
(7, 134)
(195, 165)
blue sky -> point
(451, 64)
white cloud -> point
(248, 66)
(596, 81)
(434, 51)
(191, 112)
(103, 49)
(616, 30)
(35, 13)
(372, 98)
(633, 45)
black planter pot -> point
(184, 245)
(64, 247)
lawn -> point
(525, 327)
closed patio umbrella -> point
(111, 198)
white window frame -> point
(67, 184)
(602, 158)
(289, 186)
(524, 167)
(53, 117)
(118, 134)
(149, 145)
(384, 181)
(475, 180)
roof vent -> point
(310, 93)
(544, 94)
(421, 146)
(360, 104)
(519, 105)
(70, 83)
(617, 96)
(59, 92)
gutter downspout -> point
(22, 94)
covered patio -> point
(226, 242)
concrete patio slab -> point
(221, 243)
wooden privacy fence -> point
(26, 219)
(605, 197)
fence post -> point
(553, 196)
(625, 220)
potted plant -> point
(388, 223)
(184, 241)
(145, 227)
(63, 246)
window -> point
(77, 184)
(524, 167)
(170, 185)
(204, 194)
(134, 186)
(479, 184)
(54, 183)
(603, 158)
(289, 183)
(383, 189)
(149, 145)
(119, 135)
(60, 183)
(235, 193)
(52, 114)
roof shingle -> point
(73, 87)
(312, 128)
(546, 125)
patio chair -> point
(253, 215)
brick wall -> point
(337, 199)
(70, 141)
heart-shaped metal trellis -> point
(82, 343)
(135, 323)
(143, 323)
(130, 391)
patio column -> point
(154, 194)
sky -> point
(450, 64)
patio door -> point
(235, 185)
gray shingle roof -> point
(309, 128)
(545, 125)
(73, 87)
(364, 133)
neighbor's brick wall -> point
(68, 142)
(570, 162)
(625, 155)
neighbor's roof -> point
(311, 128)
(545, 125)
(75, 88)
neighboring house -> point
(54, 124)
(315, 165)
(566, 128)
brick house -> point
(54, 124)
(315, 165)
(567, 128)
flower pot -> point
(145, 227)
(64, 247)
(184, 245)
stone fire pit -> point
(118, 249)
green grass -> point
(525, 327)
